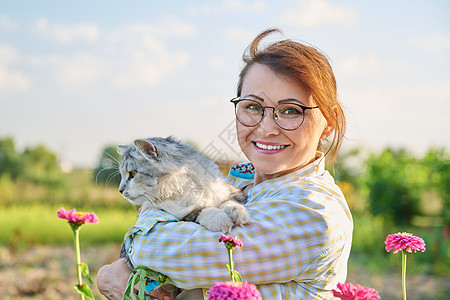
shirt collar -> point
(315, 167)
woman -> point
(297, 243)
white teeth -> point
(270, 147)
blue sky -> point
(77, 76)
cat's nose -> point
(121, 190)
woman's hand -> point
(112, 281)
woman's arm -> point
(281, 242)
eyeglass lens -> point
(288, 116)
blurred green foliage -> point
(107, 170)
(10, 162)
(395, 181)
(36, 164)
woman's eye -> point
(132, 174)
(253, 107)
(290, 111)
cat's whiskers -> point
(111, 176)
(110, 163)
(160, 204)
(152, 200)
(113, 160)
(104, 169)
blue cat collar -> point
(151, 285)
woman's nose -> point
(268, 125)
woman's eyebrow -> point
(279, 102)
(254, 96)
(291, 100)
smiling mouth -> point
(270, 147)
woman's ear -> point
(328, 130)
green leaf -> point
(85, 291)
(85, 272)
(237, 276)
(229, 268)
(134, 278)
(142, 281)
(140, 275)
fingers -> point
(160, 294)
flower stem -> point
(76, 237)
(230, 259)
(404, 274)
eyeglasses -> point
(287, 115)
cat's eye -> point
(132, 174)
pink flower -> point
(349, 291)
(77, 217)
(404, 241)
(234, 291)
(230, 241)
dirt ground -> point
(44, 272)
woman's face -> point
(290, 150)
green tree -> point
(437, 162)
(107, 170)
(395, 181)
(10, 162)
(41, 166)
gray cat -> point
(166, 174)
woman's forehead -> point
(263, 83)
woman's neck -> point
(260, 177)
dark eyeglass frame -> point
(304, 108)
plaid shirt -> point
(296, 245)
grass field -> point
(23, 226)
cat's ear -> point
(122, 149)
(146, 148)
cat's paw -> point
(215, 219)
(237, 212)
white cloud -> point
(68, 34)
(226, 6)
(8, 54)
(218, 62)
(368, 65)
(6, 24)
(169, 26)
(238, 34)
(435, 43)
(79, 69)
(125, 57)
(10, 79)
(172, 26)
(314, 13)
(356, 65)
(143, 58)
(147, 68)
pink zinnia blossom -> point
(77, 217)
(230, 241)
(349, 291)
(234, 291)
(404, 241)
